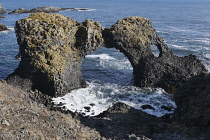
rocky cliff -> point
(52, 48)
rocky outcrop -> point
(52, 48)
(46, 9)
(19, 11)
(135, 37)
(2, 11)
(193, 102)
(3, 27)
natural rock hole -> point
(107, 65)
(155, 50)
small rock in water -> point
(5, 122)
(147, 107)
(168, 108)
(87, 108)
(61, 104)
(92, 104)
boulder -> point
(193, 102)
(19, 11)
(121, 121)
(2, 11)
(3, 27)
(135, 37)
(52, 48)
(46, 9)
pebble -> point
(5, 122)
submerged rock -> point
(52, 48)
(3, 27)
(2, 11)
(193, 102)
(19, 11)
(135, 37)
(1, 16)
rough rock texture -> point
(19, 11)
(46, 9)
(2, 11)
(134, 37)
(52, 48)
(23, 118)
(193, 102)
(3, 27)
(124, 122)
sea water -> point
(184, 25)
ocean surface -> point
(184, 25)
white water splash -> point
(96, 98)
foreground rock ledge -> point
(52, 48)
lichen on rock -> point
(53, 46)
(50, 57)
(135, 37)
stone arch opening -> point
(107, 65)
(155, 50)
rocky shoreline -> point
(46, 9)
(52, 48)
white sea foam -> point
(203, 40)
(176, 29)
(7, 31)
(100, 56)
(97, 98)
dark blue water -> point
(185, 27)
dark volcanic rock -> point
(193, 102)
(46, 9)
(19, 11)
(51, 48)
(3, 27)
(122, 121)
(134, 37)
(2, 11)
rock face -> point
(134, 37)
(193, 102)
(2, 11)
(51, 48)
(19, 11)
(3, 27)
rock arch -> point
(52, 48)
